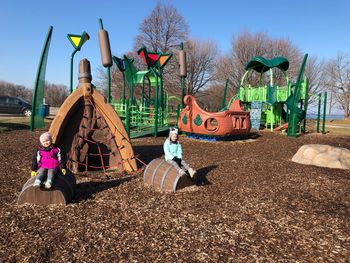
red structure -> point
(233, 121)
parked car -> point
(15, 105)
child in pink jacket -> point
(47, 161)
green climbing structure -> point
(144, 109)
(273, 105)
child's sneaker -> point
(48, 184)
(192, 172)
(37, 183)
(182, 173)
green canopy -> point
(262, 65)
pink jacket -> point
(49, 158)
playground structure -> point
(163, 176)
(93, 137)
(62, 192)
(145, 116)
(150, 113)
(272, 106)
(322, 99)
(233, 121)
(90, 131)
(38, 114)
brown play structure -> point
(62, 192)
(89, 130)
(233, 121)
(93, 137)
(160, 175)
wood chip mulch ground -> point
(250, 204)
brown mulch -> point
(250, 204)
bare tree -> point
(247, 45)
(337, 72)
(314, 73)
(201, 61)
(211, 98)
(116, 82)
(163, 29)
(10, 89)
(55, 95)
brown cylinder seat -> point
(61, 192)
(161, 175)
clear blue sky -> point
(320, 28)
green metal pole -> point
(182, 92)
(271, 85)
(177, 115)
(292, 122)
(42, 64)
(156, 110)
(225, 93)
(127, 119)
(324, 113)
(182, 83)
(306, 103)
(272, 120)
(161, 94)
(143, 94)
(318, 113)
(123, 91)
(71, 70)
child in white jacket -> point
(173, 154)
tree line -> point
(207, 70)
(54, 94)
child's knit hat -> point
(173, 131)
(46, 136)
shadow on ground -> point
(146, 153)
(201, 177)
(86, 190)
(13, 126)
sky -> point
(320, 28)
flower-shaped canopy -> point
(262, 65)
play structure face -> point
(233, 121)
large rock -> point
(323, 155)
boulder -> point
(323, 155)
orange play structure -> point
(90, 132)
(233, 121)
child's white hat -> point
(46, 136)
(173, 131)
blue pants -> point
(49, 173)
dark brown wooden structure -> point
(90, 132)
(161, 175)
(61, 192)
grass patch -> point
(338, 127)
(17, 123)
(14, 123)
